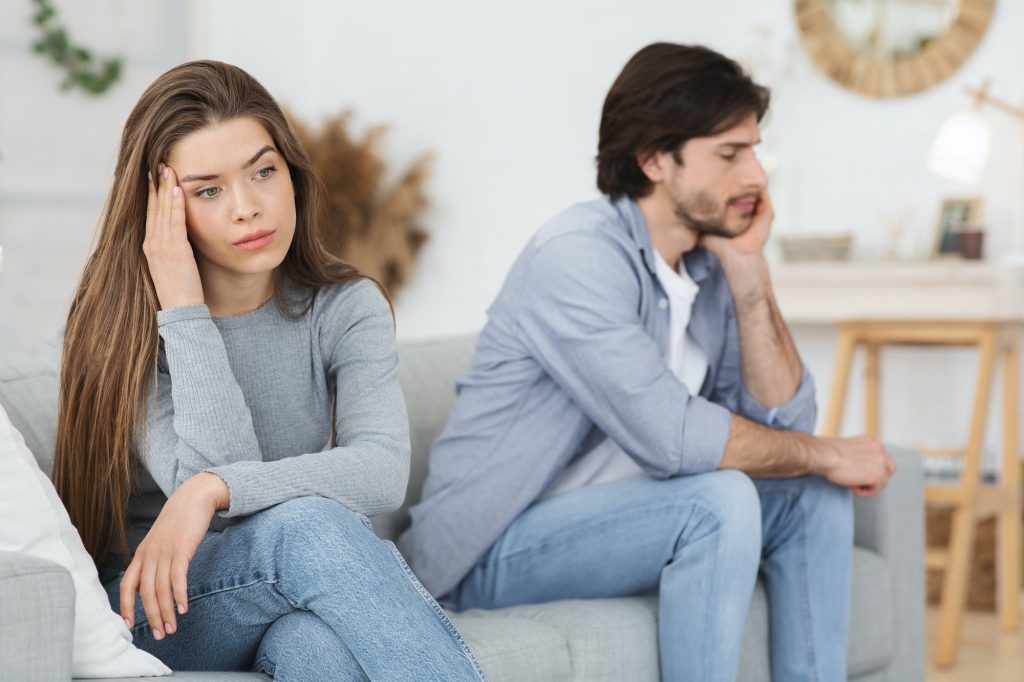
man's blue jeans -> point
(305, 591)
(699, 540)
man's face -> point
(716, 188)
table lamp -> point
(960, 150)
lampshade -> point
(960, 151)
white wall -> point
(507, 96)
(57, 149)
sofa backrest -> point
(427, 372)
(28, 394)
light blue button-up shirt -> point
(574, 351)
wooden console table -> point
(944, 303)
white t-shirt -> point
(607, 461)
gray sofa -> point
(592, 640)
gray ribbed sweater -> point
(249, 398)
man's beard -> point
(702, 213)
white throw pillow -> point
(33, 521)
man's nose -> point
(754, 174)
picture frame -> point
(954, 214)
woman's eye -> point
(208, 193)
(265, 173)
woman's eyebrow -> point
(257, 155)
(204, 178)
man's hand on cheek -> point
(748, 243)
(742, 256)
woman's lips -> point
(256, 241)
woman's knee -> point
(315, 524)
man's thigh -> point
(607, 540)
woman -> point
(211, 347)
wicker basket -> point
(813, 248)
(981, 583)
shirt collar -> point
(697, 261)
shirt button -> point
(663, 303)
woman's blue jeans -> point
(700, 541)
(306, 591)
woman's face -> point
(239, 199)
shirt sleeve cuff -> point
(235, 487)
(797, 414)
(706, 427)
(186, 312)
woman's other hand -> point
(159, 569)
(172, 265)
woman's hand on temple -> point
(159, 569)
(172, 265)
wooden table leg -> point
(872, 385)
(961, 539)
(1008, 547)
(845, 346)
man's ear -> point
(652, 165)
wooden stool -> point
(969, 499)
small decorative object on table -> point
(972, 242)
(809, 248)
(957, 217)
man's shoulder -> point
(597, 218)
(587, 231)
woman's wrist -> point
(211, 488)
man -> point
(634, 374)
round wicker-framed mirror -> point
(888, 48)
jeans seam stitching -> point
(210, 593)
(438, 611)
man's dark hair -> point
(665, 95)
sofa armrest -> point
(892, 525)
(37, 618)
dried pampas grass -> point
(372, 227)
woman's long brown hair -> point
(111, 340)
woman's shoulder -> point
(349, 301)
(350, 315)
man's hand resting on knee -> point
(859, 463)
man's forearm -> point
(763, 452)
(859, 463)
(769, 360)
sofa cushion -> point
(513, 648)
(28, 393)
(872, 621)
(608, 640)
(617, 639)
